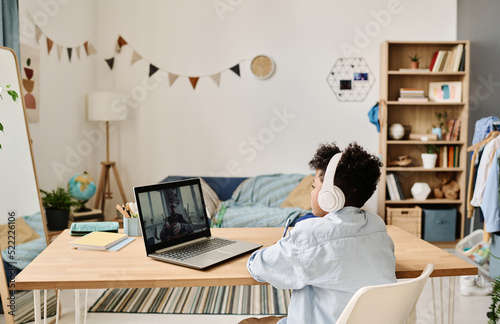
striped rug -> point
(24, 305)
(234, 300)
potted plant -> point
(439, 126)
(430, 157)
(414, 61)
(494, 313)
(57, 204)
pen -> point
(288, 222)
(120, 209)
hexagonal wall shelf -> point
(351, 79)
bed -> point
(260, 201)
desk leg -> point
(451, 301)
(36, 306)
(85, 309)
(58, 305)
(77, 306)
(45, 302)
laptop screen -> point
(171, 213)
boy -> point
(326, 259)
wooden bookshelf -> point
(420, 117)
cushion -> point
(23, 233)
(210, 197)
(300, 196)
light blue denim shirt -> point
(325, 261)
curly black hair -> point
(357, 174)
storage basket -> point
(469, 244)
(408, 219)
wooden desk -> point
(60, 266)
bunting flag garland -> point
(59, 51)
(171, 78)
(152, 69)
(77, 51)
(38, 33)
(49, 45)
(216, 78)
(236, 69)
(135, 57)
(110, 62)
(120, 42)
(194, 81)
(89, 48)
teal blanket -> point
(256, 203)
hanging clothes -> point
(477, 150)
(490, 203)
(483, 127)
(483, 169)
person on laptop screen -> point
(326, 259)
(175, 223)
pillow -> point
(300, 196)
(23, 233)
(210, 197)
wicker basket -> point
(408, 219)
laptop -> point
(176, 229)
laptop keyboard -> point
(195, 249)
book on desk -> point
(100, 241)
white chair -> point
(385, 304)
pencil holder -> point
(131, 226)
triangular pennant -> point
(86, 46)
(91, 49)
(171, 78)
(59, 51)
(135, 57)
(194, 81)
(49, 45)
(216, 78)
(152, 69)
(38, 33)
(236, 69)
(121, 41)
(78, 51)
(110, 62)
(70, 50)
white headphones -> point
(331, 198)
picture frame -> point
(445, 91)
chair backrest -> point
(385, 304)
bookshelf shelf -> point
(430, 103)
(418, 118)
(429, 73)
(423, 202)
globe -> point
(82, 188)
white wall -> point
(208, 131)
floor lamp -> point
(106, 106)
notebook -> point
(98, 240)
(175, 226)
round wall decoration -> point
(262, 66)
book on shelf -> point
(461, 66)
(401, 99)
(448, 60)
(412, 95)
(453, 127)
(449, 156)
(398, 186)
(395, 192)
(98, 240)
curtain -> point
(9, 28)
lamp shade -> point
(106, 106)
